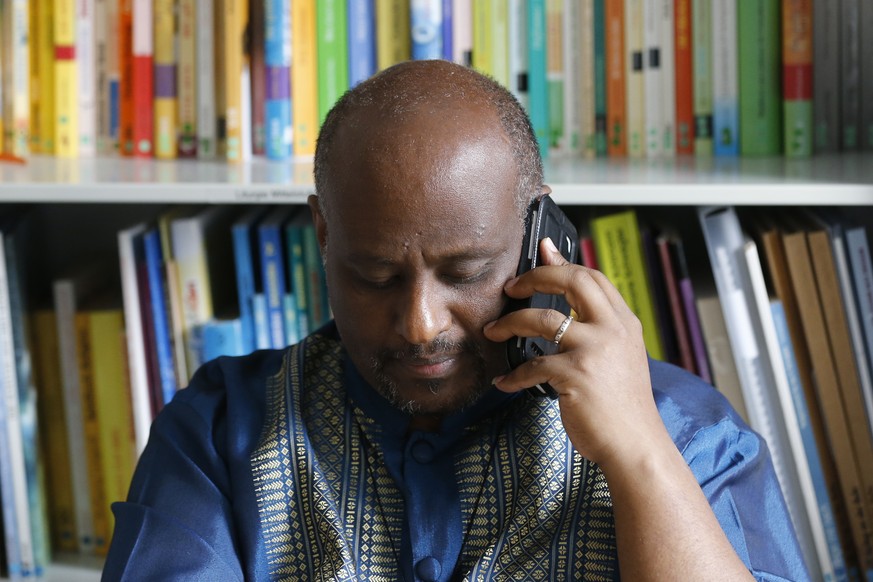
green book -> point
(760, 68)
(332, 51)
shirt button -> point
(422, 451)
(428, 569)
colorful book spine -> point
(235, 20)
(654, 79)
(33, 137)
(166, 98)
(207, 114)
(316, 286)
(634, 39)
(448, 30)
(247, 276)
(826, 72)
(667, 58)
(362, 40)
(600, 101)
(16, 29)
(125, 72)
(725, 80)
(701, 48)
(277, 58)
(426, 29)
(154, 260)
(66, 80)
(797, 136)
(620, 256)
(257, 91)
(578, 64)
(86, 59)
(332, 51)
(45, 49)
(304, 77)
(616, 89)
(482, 31)
(518, 51)
(273, 274)
(297, 272)
(109, 96)
(555, 74)
(760, 103)
(462, 30)
(143, 79)
(186, 78)
(500, 41)
(538, 89)
(393, 37)
(684, 78)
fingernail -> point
(510, 283)
(488, 326)
(550, 245)
(497, 380)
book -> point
(207, 81)
(719, 353)
(616, 91)
(865, 131)
(667, 59)
(462, 30)
(483, 46)
(578, 78)
(850, 71)
(45, 56)
(297, 268)
(304, 77)
(222, 337)
(500, 39)
(657, 285)
(858, 251)
(654, 77)
(108, 76)
(393, 37)
(689, 303)
(797, 82)
(248, 273)
(332, 49)
(66, 81)
(555, 75)
(236, 80)
(826, 72)
(362, 40)
(702, 77)
(48, 381)
(538, 91)
(273, 270)
(318, 307)
(620, 255)
(255, 40)
(277, 58)
(186, 78)
(684, 78)
(634, 43)
(828, 391)
(143, 78)
(158, 293)
(518, 52)
(760, 103)
(166, 99)
(125, 80)
(426, 29)
(666, 246)
(725, 76)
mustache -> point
(437, 347)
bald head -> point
(412, 96)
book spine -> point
(113, 77)
(93, 457)
(66, 80)
(826, 72)
(262, 322)
(725, 80)
(34, 132)
(858, 251)
(555, 74)
(865, 132)
(273, 276)
(256, 49)
(393, 37)
(575, 105)
(684, 78)
(850, 66)
(222, 338)
(668, 78)
(101, 81)
(448, 30)
(166, 99)
(316, 289)
(677, 311)
(653, 77)
(289, 310)
(304, 77)
(599, 34)
(45, 49)
(143, 78)
(297, 275)
(695, 330)
(186, 78)
(87, 64)
(160, 314)
(235, 20)
(482, 44)
(760, 100)
(462, 30)
(500, 41)
(245, 281)
(17, 102)
(616, 90)
(797, 130)
(190, 253)
(701, 48)
(277, 58)
(518, 51)
(332, 51)
(538, 91)
(634, 39)
(125, 71)
(362, 40)
(426, 27)
(207, 115)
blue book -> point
(362, 40)
(812, 453)
(248, 273)
(426, 28)
(538, 88)
(222, 337)
(277, 61)
(448, 30)
(154, 261)
(273, 270)
(297, 273)
(262, 324)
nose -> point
(423, 313)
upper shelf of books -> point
(844, 179)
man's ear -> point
(320, 222)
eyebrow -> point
(469, 255)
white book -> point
(462, 32)
(518, 58)
(668, 76)
(207, 129)
(653, 76)
(784, 438)
(15, 68)
(134, 333)
(86, 59)
(634, 46)
(13, 471)
(68, 293)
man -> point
(396, 444)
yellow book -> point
(500, 41)
(33, 68)
(166, 101)
(483, 41)
(234, 25)
(66, 80)
(187, 78)
(53, 430)
(45, 54)
(113, 404)
(93, 457)
(620, 256)
(393, 41)
(304, 77)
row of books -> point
(236, 78)
(784, 327)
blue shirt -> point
(286, 464)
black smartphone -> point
(544, 220)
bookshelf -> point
(833, 180)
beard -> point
(465, 394)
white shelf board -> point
(844, 179)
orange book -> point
(684, 64)
(143, 50)
(616, 99)
(125, 71)
(304, 77)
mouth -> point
(429, 368)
